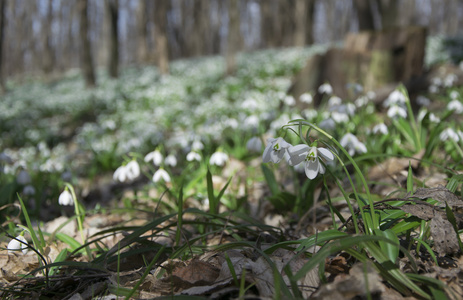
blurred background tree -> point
(47, 37)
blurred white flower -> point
(306, 98)
(15, 245)
(128, 172)
(449, 133)
(65, 198)
(193, 156)
(254, 144)
(395, 98)
(23, 177)
(275, 150)
(423, 101)
(334, 101)
(456, 106)
(197, 145)
(380, 128)
(325, 88)
(450, 80)
(396, 111)
(339, 117)
(29, 190)
(454, 95)
(154, 156)
(251, 121)
(161, 174)
(327, 124)
(433, 118)
(289, 100)
(171, 160)
(361, 101)
(310, 157)
(371, 95)
(352, 144)
(218, 158)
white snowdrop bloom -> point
(436, 81)
(218, 158)
(133, 170)
(120, 174)
(352, 144)
(154, 156)
(396, 111)
(380, 128)
(191, 156)
(250, 104)
(171, 160)
(232, 123)
(371, 95)
(29, 190)
(325, 88)
(275, 150)
(310, 114)
(433, 118)
(395, 98)
(289, 100)
(311, 157)
(433, 89)
(251, 121)
(423, 101)
(327, 124)
(339, 117)
(23, 177)
(306, 98)
(361, 101)
(161, 175)
(449, 133)
(254, 144)
(456, 106)
(197, 145)
(65, 198)
(15, 245)
(454, 95)
(334, 101)
(450, 80)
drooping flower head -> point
(352, 144)
(161, 175)
(311, 157)
(15, 245)
(65, 198)
(218, 158)
(154, 156)
(275, 150)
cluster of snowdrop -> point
(396, 104)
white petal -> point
(311, 169)
(326, 154)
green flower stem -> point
(416, 137)
(80, 214)
(357, 169)
(457, 147)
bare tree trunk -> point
(2, 26)
(162, 47)
(389, 11)
(233, 39)
(86, 54)
(142, 31)
(300, 17)
(310, 17)
(48, 56)
(112, 9)
(364, 15)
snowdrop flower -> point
(29, 190)
(15, 245)
(310, 157)
(361, 101)
(352, 144)
(327, 124)
(275, 150)
(197, 145)
(433, 118)
(395, 98)
(454, 95)
(334, 101)
(396, 111)
(154, 156)
(254, 144)
(339, 117)
(171, 160)
(23, 177)
(449, 133)
(65, 198)
(128, 172)
(456, 106)
(191, 156)
(218, 158)
(371, 95)
(309, 114)
(161, 174)
(423, 101)
(325, 88)
(306, 98)
(450, 80)
(251, 121)
(381, 128)
(289, 100)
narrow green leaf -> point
(410, 179)
(390, 249)
(178, 234)
(70, 241)
(210, 193)
(270, 178)
(61, 257)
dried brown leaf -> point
(440, 194)
(420, 210)
(444, 236)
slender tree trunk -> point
(233, 39)
(300, 17)
(310, 17)
(86, 54)
(142, 31)
(112, 9)
(389, 11)
(48, 55)
(162, 47)
(364, 15)
(2, 26)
